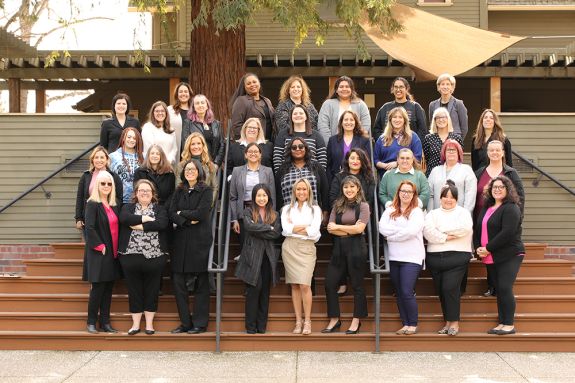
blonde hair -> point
(205, 156)
(96, 150)
(305, 91)
(310, 200)
(261, 135)
(433, 127)
(95, 195)
(388, 131)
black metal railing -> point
(543, 172)
(220, 266)
(48, 177)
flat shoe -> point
(401, 331)
(410, 332)
(91, 329)
(452, 331)
(134, 331)
(443, 331)
(150, 332)
(493, 331)
(506, 332)
(180, 330)
(108, 328)
(197, 330)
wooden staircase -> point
(46, 309)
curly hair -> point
(511, 195)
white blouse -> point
(440, 223)
(404, 236)
(306, 216)
(167, 141)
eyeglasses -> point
(451, 150)
(145, 191)
(499, 187)
(440, 118)
(190, 170)
(298, 147)
(253, 152)
(399, 87)
(159, 112)
(252, 128)
(106, 184)
(406, 191)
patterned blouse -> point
(144, 242)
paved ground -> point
(284, 367)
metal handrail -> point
(223, 240)
(543, 172)
(48, 177)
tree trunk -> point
(217, 62)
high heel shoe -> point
(356, 331)
(306, 327)
(298, 327)
(335, 328)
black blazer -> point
(83, 193)
(237, 157)
(335, 153)
(216, 145)
(512, 174)
(192, 242)
(111, 131)
(99, 267)
(165, 183)
(504, 231)
(128, 218)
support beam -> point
(173, 82)
(14, 92)
(40, 101)
(332, 81)
(495, 94)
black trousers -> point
(201, 299)
(447, 269)
(355, 270)
(490, 279)
(143, 278)
(258, 299)
(504, 275)
(100, 301)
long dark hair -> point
(410, 96)
(366, 171)
(511, 192)
(164, 165)
(354, 95)
(139, 146)
(308, 129)
(496, 134)
(342, 203)
(201, 174)
(357, 129)
(177, 105)
(270, 214)
(241, 89)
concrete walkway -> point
(284, 367)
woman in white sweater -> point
(448, 231)
(453, 169)
(402, 225)
(157, 131)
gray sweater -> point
(329, 117)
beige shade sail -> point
(431, 45)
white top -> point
(153, 135)
(176, 124)
(464, 179)
(310, 217)
(441, 222)
(404, 236)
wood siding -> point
(548, 140)
(31, 147)
(463, 11)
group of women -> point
(293, 171)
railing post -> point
(377, 316)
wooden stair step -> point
(471, 341)
(284, 322)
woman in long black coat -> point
(257, 266)
(101, 266)
(99, 160)
(190, 211)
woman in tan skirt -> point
(301, 220)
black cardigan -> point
(165, 183)
(512, 174)
(128, 218)
(111, 131)
(83, 193)
(504, 232)
(216, 145)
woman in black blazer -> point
(349, 135)
(112, 128)
(251, 131)
(157, 169)
(497, 240)
(143, 248)
(99, 160)
(101, 266)
(190, 211)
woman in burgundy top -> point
(101, 266)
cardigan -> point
(328, 118)
(83, 192)
(215, 140)
(237, 188)
(259, 242)
(283, 114)
(314, 141)
(111, 130)
(245, 107)
(128, 218)
(165, 183)
(335, 155)
(393, 177)
(463, 177)
(404, 236)
(504, 232)
(414, 111)
(151, 134)
(457, 112)
(512, 174)
(440, 223)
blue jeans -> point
(404, 276)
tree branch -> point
(67, 25)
